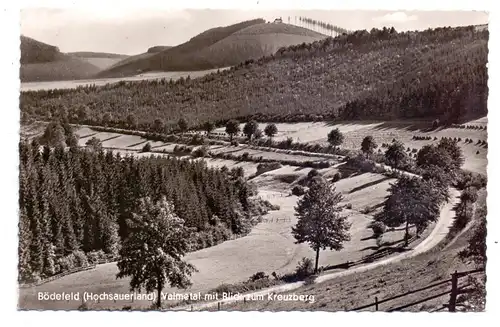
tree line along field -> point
(443, 76)
(414, 134)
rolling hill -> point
(218, 47)
(44, 62)
(102, 60)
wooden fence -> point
(454, 291)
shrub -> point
(313, 173)
(378, 228)
(349, 206)
(197, 139)
(202, 151)
(80, 258)
(298, 190)
(367, 210)
(337, 177)
(146, 147)
(477, 152)
(96, 256)
(361, 163)
(257, 276)
(304, 268)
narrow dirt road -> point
(437, 235)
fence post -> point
(218, 306)
(454, 291)
(376, 303)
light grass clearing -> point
(385, 132)
(269, 155)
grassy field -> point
(385, 132)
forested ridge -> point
(379, 74)
(75, 204)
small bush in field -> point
(234, 143)
(337, 177)
(349, 206)
(313, 173)
(257, 276)
(201, 152)
(304, 268)
(378, 228)
(367, 210)
(146, 147)
(245, 156)
(298, 190)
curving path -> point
(437, 235)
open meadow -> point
(386, 132)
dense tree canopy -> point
(76, 202)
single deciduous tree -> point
(453, 149)
(132, 121)
(368, 145)
(430, 155)
(183, 125)
(232, 128)
(396, 155)
(152, 253)
(319, 221)
(250, 128)
(411, 201)
(94, 143)
(271, 130)
(208, 127)
(335, 137)
(54, 135)
(158, 125)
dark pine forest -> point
(75, 204)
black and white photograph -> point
(252, 160)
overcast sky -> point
(128, 31)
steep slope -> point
(378, 75)
(191, 55)
(256, 41)
(44, 62)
